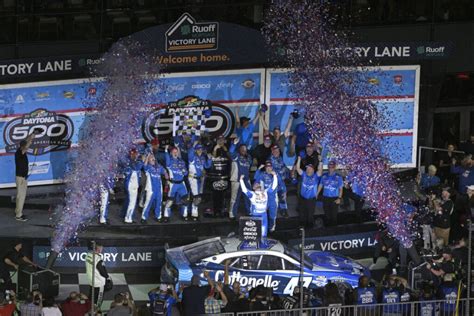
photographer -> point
(122, 305)
(443, 209)
(438, 268)
(22, 173)
(386, 246)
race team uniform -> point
(240, 166)
(266, 179)
(197, 164)
(153, 189)
(280, 168)
(258, 201)
(178, 193)
(132, 179)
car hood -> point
(330, 261)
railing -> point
(434, 149)
(453, 307)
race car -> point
(277, 266)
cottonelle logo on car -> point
(188, 35)
(280, 284)
(159, 123)
(55, 132)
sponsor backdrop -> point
(349, 244)
(394, 91)
(60, 109)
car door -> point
(292, 272)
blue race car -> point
(277, 266)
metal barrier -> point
(421, 148)
(453, 307)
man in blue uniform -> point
(241, 163)
(331, 185)
(307, 193)
(264, 176)
(259, 200)
(365, 295)
(153, 188)
(132, 172)
(198, 161)
(162, 300)
(301, 137)
(178, 193)
(448, 292)
(465, 172)
(284, 173)
(157, 151)
(245, 128)
(391, 297)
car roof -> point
(231, 244)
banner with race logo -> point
(193, 102)
(394, 91)
(59, 109)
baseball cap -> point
(470, 187)
(198, 146)
(155, 141)
(332, 163)
(220, 136)
(268, 163)
(163, 287)
(244, 119)
(277, 128)
(275, 147)
(310, 165)
(172, 148)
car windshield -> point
(297, 256)
(199, 252)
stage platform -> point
(42, 201)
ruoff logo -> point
(188, 35)
(430, 51)
(55, 132)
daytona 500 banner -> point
(61, 108)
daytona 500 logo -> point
(159, 123)
(55, 132)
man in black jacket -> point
(22, 173)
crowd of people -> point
(235, 175)
(76, 304)
(392, 296)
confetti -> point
(107, 136)
(299, 32)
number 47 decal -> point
(294, 282)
